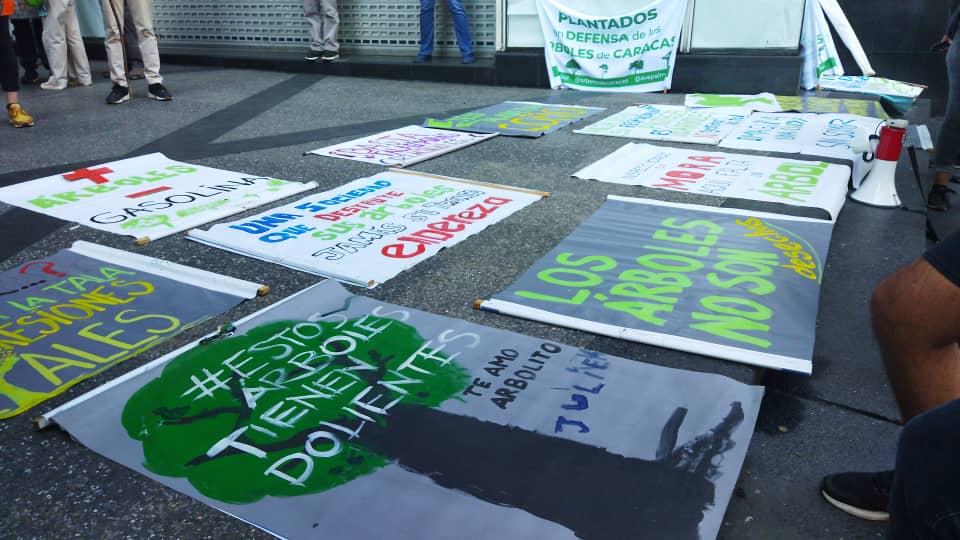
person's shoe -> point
(47, 85)
(18, 117)
(74, 82)
(118, 94)
(939, 198)
(469, 59)
(159, 92)
(329, 56)
(312, 55)
(30, 77)
(865, 495)
(423, 59)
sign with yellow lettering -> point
(72, 315)
(515, 118)
(732, 284)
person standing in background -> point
(948, 140)
(460, 28)
(141, 11)
(9, 71)
(324, 20)
(64, 44)
(28, 33)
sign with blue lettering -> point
(674, 123)
(732, 284)
(369, 230)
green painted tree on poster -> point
(573, 66)
(604, 68)
(279, 410)
(636, 66)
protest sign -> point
(328, 408)
(70, 316)
(403, 146)
(629, 52)
(820, 57)
(371, 229)
(732, 284)
(813, 104)
(823, 135)
(764, 102)
(515, 118)
(759, 178)
(897, 94)
(148, 196)
(670, 123)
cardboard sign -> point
(70, 316)
(515, 118)
(148, 197)
(732, 284)
(340, 416)
(404, 146)
(670, 123)
(371, 229)
(764, 102)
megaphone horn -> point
(879, 188)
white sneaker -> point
(47, 85)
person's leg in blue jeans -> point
(461, 29)
(925, 502)
(948, 140)
(426, 31)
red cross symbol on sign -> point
(94, 175)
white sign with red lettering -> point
(369, 230)
(148, 196)
(761, 178)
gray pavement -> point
(262, 122)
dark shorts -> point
(925, 502)
(945, 257)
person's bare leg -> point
(916, 320)
(13, 97)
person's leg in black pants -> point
(8, 78)
(26, 46)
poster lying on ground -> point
(733, 284)
(342, 416)
(82, 310)
(403, 146)
(813, 104)
(763, 102)
(371, 229)
(148, 196)
(515, 118)
(633, 51)
(788, 181)
(674, 123)
(823, 135)
(872, 85)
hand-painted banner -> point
(872, 85)
(149, 196)
(823, 135)
(813, 104)
(787, 181)
(763, 102)
(515, 118)
(629, 52)
(733, 284)
(371, 229)
(670, 123)
(404, 146)
(70, 316)
(329, 407)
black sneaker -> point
(939, 198)
(118, 94)
(159, 92)
(329, 56)
(311, 55)
(30, 77)
(865, 495)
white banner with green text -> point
(630, 52)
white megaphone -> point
(879, 187)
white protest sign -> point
(629, 52)
(871, 85)
(404, 146)
(148, 196)
(760, 178)
(371, 229)
(764, 102)
(669, 123)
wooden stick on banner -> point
(472, 182)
